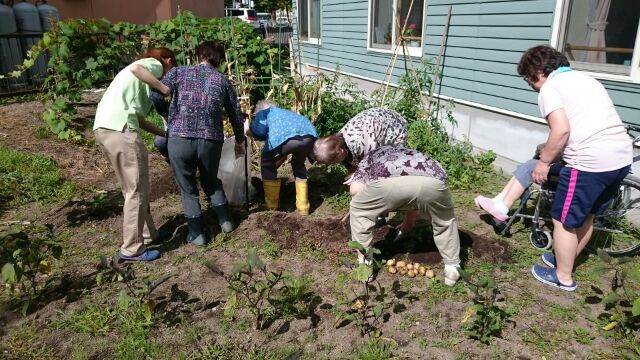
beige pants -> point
(130, 161)
(429, 196)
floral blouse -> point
(371, 129)
(200, 93)
(391, 161)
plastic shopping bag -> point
(231, 172)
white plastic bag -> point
(231, 172)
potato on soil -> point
(391, 262)
(401, 264)
(429, 273)
(358, 304)
(409, 266)
(411, 273)
(402, 271)
(392, 269)
(416, 266)
(421, 270)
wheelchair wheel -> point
(617, 230)
(541, 239)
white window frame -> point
(557, 40)
(309, 40)
(412, 51)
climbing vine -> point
(86, 54)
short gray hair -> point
(264, 104)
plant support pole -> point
(445, 33)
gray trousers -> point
(189, 156)
(299, 147)
(428, 195)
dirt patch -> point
(292, 231)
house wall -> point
(137, 11)
(495, 108)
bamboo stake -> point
(445, 33)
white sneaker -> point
(451, 275)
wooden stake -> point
(445, 33)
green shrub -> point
(427, 133)
(25, 178)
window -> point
(309, 20)
(386, 20)
(602, 36)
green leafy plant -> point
(268, 295)
(87, 53)
(483, 319)
(622, 301)
(26, 253)
(137, 291)
(368, 304)
(427, 132)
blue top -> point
(274, 126)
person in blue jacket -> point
(283, 132)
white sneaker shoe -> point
(451, 275)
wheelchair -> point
(616, 230)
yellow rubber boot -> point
(302, 199)
(271, 193)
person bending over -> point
(283, 132)
(392, 178)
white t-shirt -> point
(598, 141)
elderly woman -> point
(394, 178)
(365, 132)
(283, 132)
(119, 118)
(583, 123)
(200, 94)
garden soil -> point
(193, 301)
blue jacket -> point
(274, 126)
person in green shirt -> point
(119, 117)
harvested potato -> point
(391, 262)
(429, 273)
(416, 266)
(411, 273)
(392, 269)
(402, 271)
(409, 266)
(401, 264)
(359, 304)
(421, 270)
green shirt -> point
(126, 98)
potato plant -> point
(368, 303)
(26, 253)
(483, 319)
(268, 295)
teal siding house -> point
(495, 109)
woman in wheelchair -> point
(585, 126)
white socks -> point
(498, 201)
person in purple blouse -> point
(200, 94)
(395, 178)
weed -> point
(562, 312)
(92, 320)
(583, 336)
(26, 178)
(376, 349)
(622, 300)
(271, 248)
(484, 319)
(339, 201)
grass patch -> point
(26, 178)
(375, 350)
